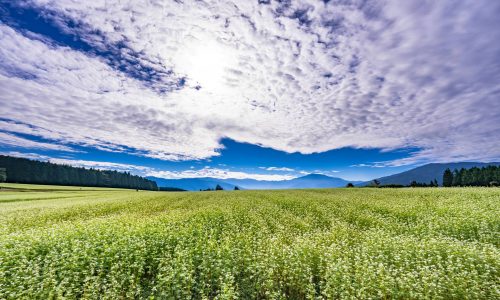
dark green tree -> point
(22, 170)
(219, 188)
(457, 179)
(447, 178)
(3, 175)
(236, 188)
(349, 185)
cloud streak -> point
(101, 165)
(305, 76)
(11, 140)
(218, 173)
(283, 169)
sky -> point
(269, 90)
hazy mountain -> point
(426, 173)
(192, 184)
(308, 181)
(318, 181)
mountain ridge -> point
(426, 173)
(420, 174)
(312, 180)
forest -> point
(22, 170)
(485, 176)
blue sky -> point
(250, 89)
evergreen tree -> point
(447, 178)
(22, 170)
(476, 176)
(3, 175)
(218, 188)
(457, 179)
(236, 188)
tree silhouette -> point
(3, 175)
(22, 170)
(447, 177)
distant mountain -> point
(192, 184)
(318, 181)
(308, 181)
(426, 173)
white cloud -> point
(11, 140)
(217, 173)
(101, 165)
(355, 73)
(374, 165)
(284, 169)
(33, 156)
(324, 172)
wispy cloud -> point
(12, 140)
(217, 173)
(28, 155)
(372, 165)
(102, 165)
(283, 169)
(323, 172)
(305, 76)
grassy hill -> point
(288, 244)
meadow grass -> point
(356, 243)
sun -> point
(206, 63)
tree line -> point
(485, 176)
(218, 187)
(22, 170)
(413, 183)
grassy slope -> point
(342, 243)
(41, 187)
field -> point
(304, 244)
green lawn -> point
(301, 244)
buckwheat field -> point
(360, 243)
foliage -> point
(22, 170)
(485, 176)
(447, 178)
(3, 174)
(300, 244)
(392, 186)
(219, 188)
(349, 185)
(432, 183)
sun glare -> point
(205, 63)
